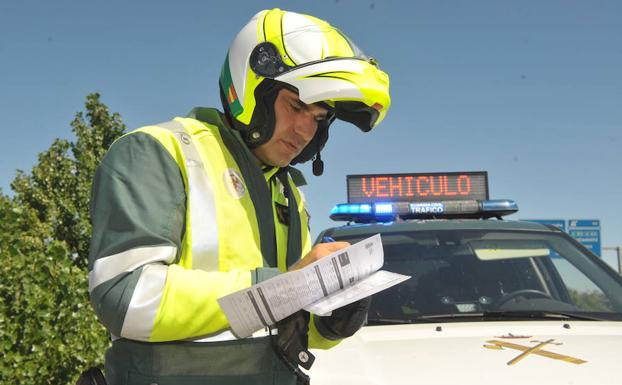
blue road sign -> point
(584, 223)
(560, 223)
(587, 232)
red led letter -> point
(397, 186)
(433, 188)
(446, 186)
(364, 187)
(381, 187)
(409, 184)
(421, 192)
(464, 185)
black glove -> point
(292, 342)
(345, 321)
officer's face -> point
(296, 123)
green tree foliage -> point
(59, 186)
(590, 300)
(48, 331)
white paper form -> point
(272, 300)
(369, 285)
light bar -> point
(387, 212)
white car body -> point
(475, 352)
(489, 302)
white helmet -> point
(278, 49)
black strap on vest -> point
(294, 243)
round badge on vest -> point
(234, 183)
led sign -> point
(419, 187)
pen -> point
(327, 239)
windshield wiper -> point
(388, 321)
(421, 319)
(518, 315)
(489, 316)
(542, 314)
(432, 317)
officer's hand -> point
(318, 252)
(345, 321)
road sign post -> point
(617, 250)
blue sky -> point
(530, 91)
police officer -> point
(189, 210)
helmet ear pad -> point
(261, 127)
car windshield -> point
(466, 274)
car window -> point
(476, 271)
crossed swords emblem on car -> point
(536, 349)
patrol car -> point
(490, 301)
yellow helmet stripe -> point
(334, 75)
(273, 32)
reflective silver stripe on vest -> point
(227, 335)
(145, 302)
(127, 261)
(202, 208)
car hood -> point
(551, 352)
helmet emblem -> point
(233, 182)
(231, 95)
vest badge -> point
(233, 182)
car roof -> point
(436, 224)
